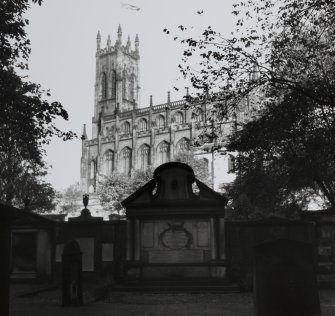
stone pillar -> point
(129, 241)
(152, 147)
(116, 153)
(134, 141)
(172, 143)
(222, 239)
(137, 241)
(5, 242)
(150, 113)
(213, 241)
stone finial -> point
(86, 197)
(187, 91)
(128, 44)
(168, 98)
(137, 42)
(119, 33)
(151, 104)
(98, 41)
(84, 135)
(109, 42)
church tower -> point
(117, 81)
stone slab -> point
(285, 279)
(176, 256)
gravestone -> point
(285, 279)
(72, 292)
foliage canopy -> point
(27, 119)
(279, 65)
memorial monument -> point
(175, 228)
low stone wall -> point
(241, 237)
(102, 244)
(325, 246)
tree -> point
(33, 192)
(291, 146)
(112, 190)
(27, 117)
(280, 60)
(199, 166)
(70, 200)
(287, 45)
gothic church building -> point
(126, 136)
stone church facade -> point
(128, 137)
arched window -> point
(178, 118)
(125, 160)
(132, 88)
(124, 84)
(231, 163)
(142, 125)
(108, 162)
(163, 152)
(126, 128)
(144, 153)
(92, 169)
(183, 145)
(104, 86)
(206, 163)
(91, 189)
(113, 84)
(197, 115)
(160, 121)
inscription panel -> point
(203, 234)
(107, 252)
(87, 248)
(176, 256)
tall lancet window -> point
(124, 84)
(92, 169)
(163, 152)
(126, 160)
(183, 145)
(144, 152)
(104, 86)
(142, 125)
(178, 118)
(113, 84)
(160, 121)
(132, 88)
(108, 162)
(126, 128)
(197, 115)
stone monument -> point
(285, 279)
(72, 292)
(175, 232)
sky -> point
(63, 42)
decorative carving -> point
(176, 237)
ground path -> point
(150, 304)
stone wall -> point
(241, 238)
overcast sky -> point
(63, 41)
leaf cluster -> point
(282, 56)
(27, 120)
(113, 189)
